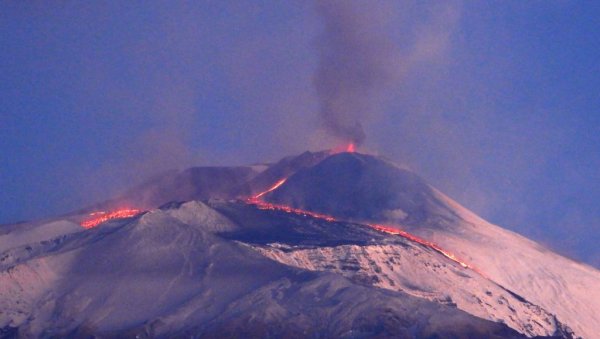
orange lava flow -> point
(273, 207)
(435, 247)
(100, 217)
(263, 205)
(271, 189)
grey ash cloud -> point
(354, 65)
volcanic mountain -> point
(315, 245)
(364, 188)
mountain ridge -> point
(357, 190)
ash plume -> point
(353, 66)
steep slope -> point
(425, 275)
(361, 187)
(566, 287)
(12, 236)
(330, 307)
(171, 272)
(374, 258)
(284, 168)
(365, 188)
(240, 267)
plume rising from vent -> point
(353, 67)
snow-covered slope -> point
(12, 236)
(568, 288)
(419, 272)
(184, 271)
(373, 258)
(369, 189)
(238, 268)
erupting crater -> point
(349, 148)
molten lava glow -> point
(271, 189)
(350, 148)
(273, 207)
(101, 216)
(263, 205)
(404, 234)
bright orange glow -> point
(272, 188)
(260, 204)
(435, 247)
(274, 207)
(101, 216)
(350, 148)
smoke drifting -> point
(354, 65)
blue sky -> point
(495, 103)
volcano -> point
(362, 187)
(323, 244)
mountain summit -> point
(315, 245)
(358, 186)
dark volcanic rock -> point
(363, 187)
(286, 167)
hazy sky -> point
(495, 103)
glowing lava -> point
(268, 206)
(101, 216)
(395, 231)
(272, 188)
(263, 205)
(350, 148)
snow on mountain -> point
(416, 271)
(568, 288)
(226, 267)
(17, 235)
(185, 270)
(374, 258)
(365, 188)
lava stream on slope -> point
(101, 216)
(263, 205)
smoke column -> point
(353, 67)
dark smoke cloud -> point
(355, 64)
